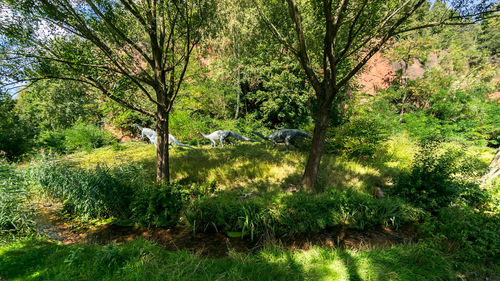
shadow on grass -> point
(137, 260)
(142, 260)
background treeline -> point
(242, 79)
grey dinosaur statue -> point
(171, 139)
(147, 132)
(287, 136)
(151, 135)
(221, 135)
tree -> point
(334, 39)
(56, 105)
(494, 168)
(129, 50)
(15, 135)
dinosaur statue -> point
(288, 136)
(171, 139)
(222, 135)
(151, 135)
(146, 132)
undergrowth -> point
(295, 213)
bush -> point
(52, 140)
(296, 213)
(434, 180)
(157, 206)
(473, 236)
(102, 193)
(16, 219)
(78, 137)
(360, 137)
(86, 137)
(15, 134)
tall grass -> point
(91, 194)
(296, 213)
(16, 218)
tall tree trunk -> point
(318, 141)
(162, 157)
(238, 80)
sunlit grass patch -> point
(253, 167)
(258, 168)
(115, 155)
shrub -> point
(86, 137)
(157, 206)
(103, 192)
(78, 137)
(53, 140)
(434, 181)
(360, 137)
(15, 134)
(473, 236)
(16, 219)
(93, 194)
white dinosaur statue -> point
(288, 136)
(152, 136)
(222, 135)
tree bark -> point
(494, 169)
(238, 80)
(318, 142)
(162, 157)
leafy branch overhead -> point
(125, 49)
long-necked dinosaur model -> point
(288, 136)
(222, 135)
(172, 139)
(147, 132)
(151, 135)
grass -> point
(142, 260)
(257, 168)
(247, 168)
(252, 167)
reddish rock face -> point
(377, 74)
(120, 134)
(495, 96)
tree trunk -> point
(162, 157)
(494, 168)
(238, 81)
(318, 141)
